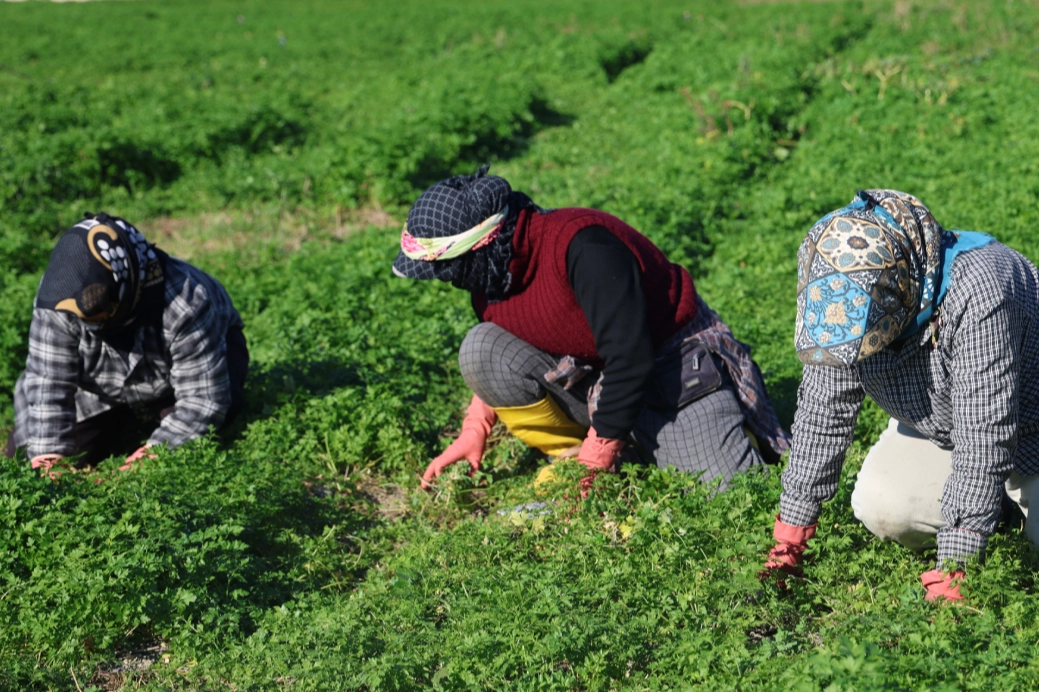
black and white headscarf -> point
(452, 206)
(99, 270)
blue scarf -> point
(954, 243)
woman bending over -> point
(118, 325)
(940, 328)
(589, 339)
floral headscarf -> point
(867, 274)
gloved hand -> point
(140, 453)
(48, 463)
(941, 584)
(791, 543)
(598, 455)
(479, 420)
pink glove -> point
(479, 420)
(791, 542)
(47, 463)
(140, 453)
(939, 584)
(598, 455)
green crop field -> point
(278, 143)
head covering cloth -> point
(869, 274)
(450, 247)
(99, 270)
(460, 231)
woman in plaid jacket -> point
(117, 326)
(941, 329)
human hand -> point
(48, 463)
(791, 543)
(598, 455)
(468, 446)
(137, 455)
(940, 584)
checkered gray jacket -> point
(969, 382)
(71, 374)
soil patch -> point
(390, 500)
(114, 676)
(232, 231)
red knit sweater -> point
(541, 308)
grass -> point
(277, 146)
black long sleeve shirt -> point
(607, 282)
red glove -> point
(140, 453)
(791, 542)
(598, 455)
(479, 420)
(47, 463)
(940, 584)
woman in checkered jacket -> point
(117, 326)
(941, 329)
(589, 340)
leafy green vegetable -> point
(278, 144)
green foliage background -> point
(295, 551)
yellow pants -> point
(542, 425)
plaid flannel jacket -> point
(969, 382)
(73, 374)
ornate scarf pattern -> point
(867, 274)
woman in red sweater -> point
(589, 339)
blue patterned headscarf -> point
(870, 273)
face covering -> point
(460, 231)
